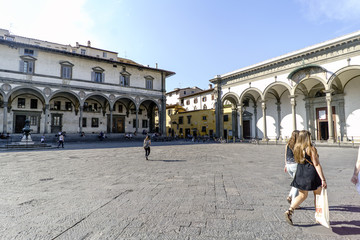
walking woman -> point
(309, 175)
(290, 164)
(147, 143)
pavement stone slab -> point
(186, 191)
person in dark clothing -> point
(147, 143)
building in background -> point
(193, 115)
(316, 88)
(76, 89)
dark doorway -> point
(246, 129)
(324, 129)
(323, 124)
(19, 123)
(225, 133)
(118, 124)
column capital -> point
(263, 104)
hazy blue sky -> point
(197, 39)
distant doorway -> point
(323, 124)
(118, 124)
(19, 123)
(246, 129)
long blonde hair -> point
(293, 138)
(303, 144)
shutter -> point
(21, 66)
(31, 67)
(103, 77)
(93, 76)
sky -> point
(196, 39)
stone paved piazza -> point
(185, 191)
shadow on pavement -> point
(167, 160)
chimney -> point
(156, 65)
(77, 44)
(89, 43)
(210, 86)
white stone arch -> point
(343, 76)
(248, 91)
(230, 95)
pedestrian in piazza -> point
(147, 143)
(61, 140)
(309, 175)
(290, 164)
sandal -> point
(288, 216)
(289, 199)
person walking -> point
(309, 175)
(61, 140)
(290, 164)
(147, 143)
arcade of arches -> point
(326, 104)
(75, 112)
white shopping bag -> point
(358, 184)
(322, 209)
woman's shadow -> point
(352, 227)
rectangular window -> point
(204, 118)
(169, 112)
(181, 120)
(180, 130)
(21, 102)
(33, 103)
(84, 122)
(226, 118)
(27, 66)
(203, 129)
(145, 123)
(83, 51)
(120, 108)
(98, 77)
(134, 123)
(104, 54)
(188, 119)
(66, 72)
(57, 105)
(149, 84)
(68, 106)
(28, 52)
(94, 122)
(33, 120)
(124, 80)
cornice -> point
(314, 54)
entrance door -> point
(323, 124)
(119, 125)
(56, 123)
(246, 129)
(225, 133)
(19, 123)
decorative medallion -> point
(112, 97)
(47, 91)
(82, 94)
(6, 87)
(137, 99)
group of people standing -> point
(302, 163)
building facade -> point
(316, 88)
(76, 89)
(194, 114)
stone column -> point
(330, 117)
(255, 120)
(47, 107)
(163, 116)
(307, 108)
(278, 125)
(5, 117)
(218, 109)
(234, 121)
(111, 120)
(240, 122)
(81, 118)
(263, 106)
(293, 110)
(137, 119)
(341, 112)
